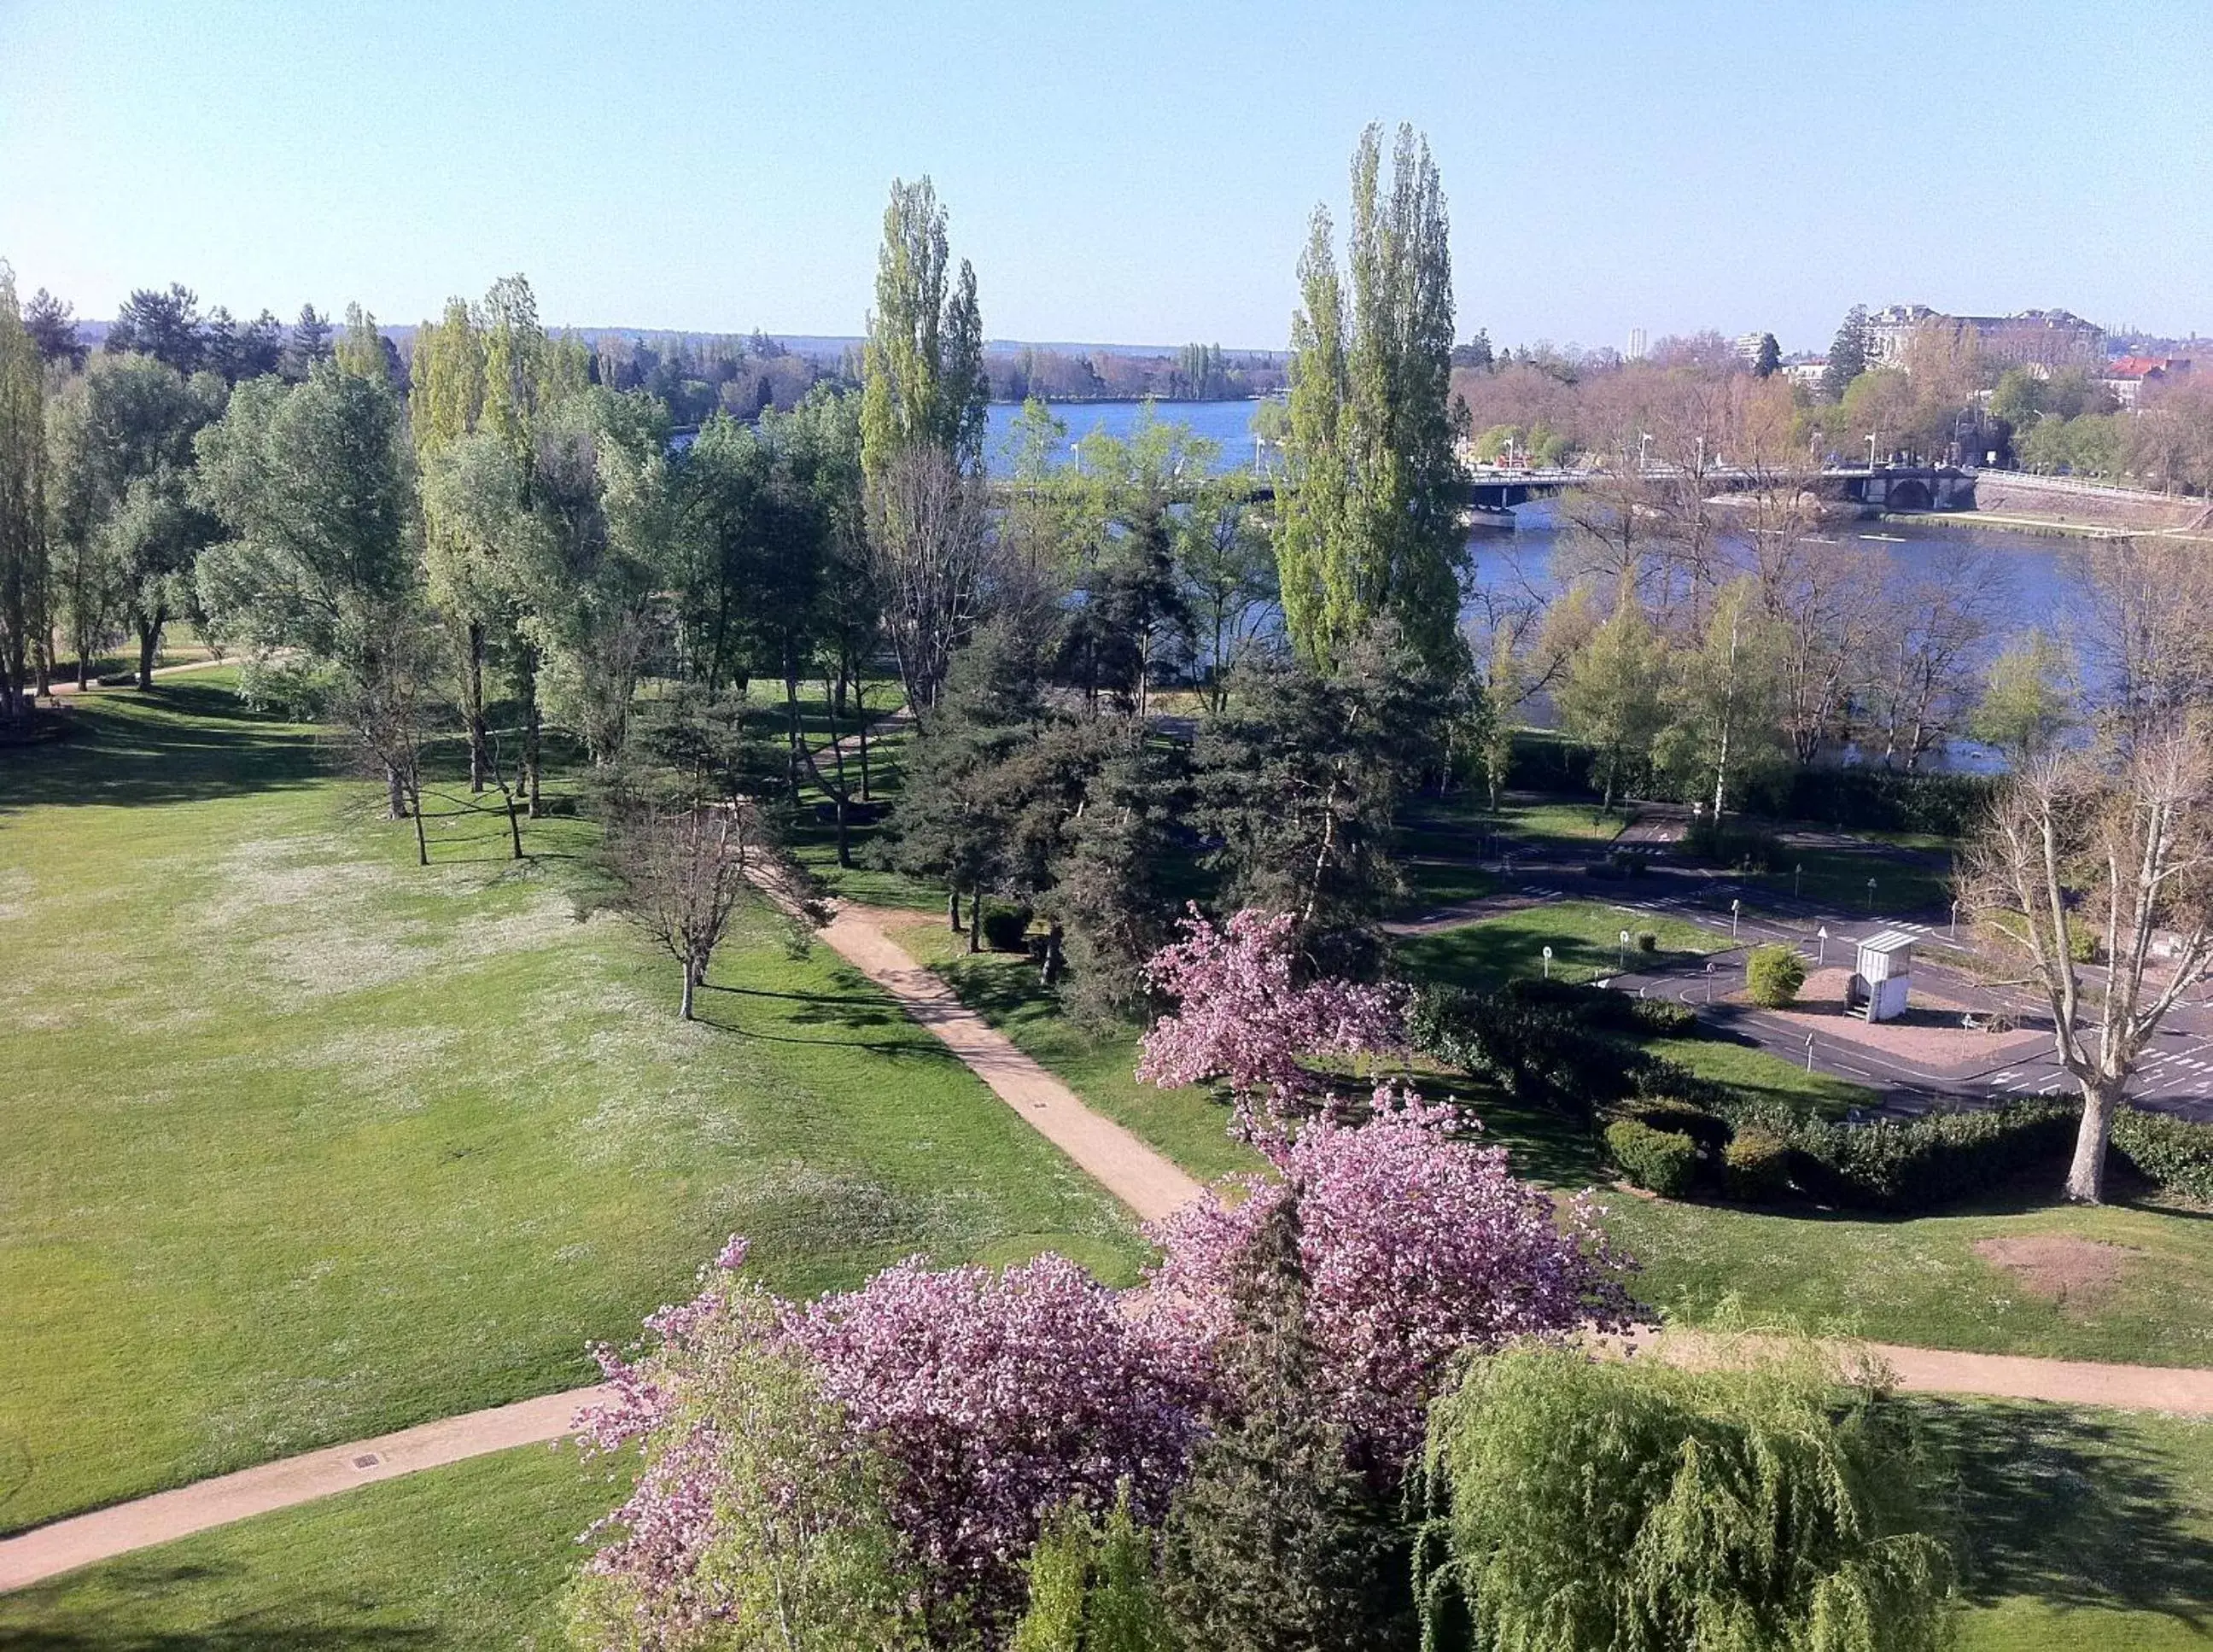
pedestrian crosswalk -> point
(1540, 892)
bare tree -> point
(1930, 630)
(681, 868)
(385, 695)
(2116, 841)
(932, 554)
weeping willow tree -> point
(1761, 1504)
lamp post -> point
(1622, 955)
(1076, 448)
(1810, 1052)
(1955, 923)
(1548, 963)
(1643, 441)
(1871, 449)
(1709, 982)
(1797, 873)
(1870, 897)
(1735, 906)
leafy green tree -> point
(1092, 1586)
(1848, 354)
(1613, 698)
(445, 392)
(1371, 521)
(315, 484)
(1274, 1544)
(1768, 1504)
(1723, 704)
(1226, 564)
(922, 366)
(23, 509)
(123, 436)
(2027, 703)
(361, 349)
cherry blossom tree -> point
(1417, 1243)
(1240, 1017)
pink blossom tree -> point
(1240, 1017)
(1417, 1244)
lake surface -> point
(1227, 422)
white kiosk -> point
(1878, 988)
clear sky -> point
(1119, 170)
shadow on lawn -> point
(327, 1625)
(179, 742)
(2061, 1506)
(817, 1009)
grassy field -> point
(1584, 937)
(2082, 1530)
(476, 1555)
(308, 1143)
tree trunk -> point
(422, 843)
(531, 727)
(953, 909)
(2086, 1175)
(395, 795)
(1049, 973)
(684, 1011)
(479, 759)
(149, 639)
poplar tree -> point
(1371, 520)
(445, 401)
(22, 508)
(922, 366)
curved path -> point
(1140, 1177)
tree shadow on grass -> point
(826, 1010)
(177, 743)
(136, 1586)
(2063, 1507)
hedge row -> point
(1555, 1045)
(1883, 799)
(2169, 1152)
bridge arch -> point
(1909, 493)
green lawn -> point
(2082, 1529)
(475, 1555)
(1919, 1281)
(1838, 877)
(308, 1143)
(1584, 937)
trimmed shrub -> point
(1773, 975)
(1646, 941)
(1668, 1112)
(1661, 1162)
(2172, 1153)
(1756, 1165)
(1949, 805)
(1663, 1018)
(1006, 927)
(1734, 842)
(1914, 1164)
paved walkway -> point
(1141, 1178)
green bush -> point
(1884, 800)
(1668, 1112)
(1773, 975)
(2170, 1153)
(1914, 1164)
(1646, 941)
(1663, 1018)
(1756, 1165)
(1733, 842)
(1661, 1162)
(1006, 928)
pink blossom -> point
(1240, 1016)
(1417, 1245)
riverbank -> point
(2046, 527)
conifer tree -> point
(1274, 1544)
(1848, 354)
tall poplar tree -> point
(22, 508)
(922, 366)
(446, 398)
(1371, 519)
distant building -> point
(1636, 344)
(1809, 374)
(2126, 377)
(2045, 338)
(1747, 346)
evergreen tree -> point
(163, 325)
(1094, 1585)
(1848, 354)
(52, 324)
(1371, 525)
(259, 349)
(1769, 358)
(309, 343)
(1274, 1544)
(361, 348)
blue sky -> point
(1124, 171)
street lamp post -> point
(1810, 1052)
(1548, 963)
(1076, 448)
(1709, 983)
(1798, 874)
(1735, 906)
(1955, 923)
(1870, 897)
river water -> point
(2030, 582)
